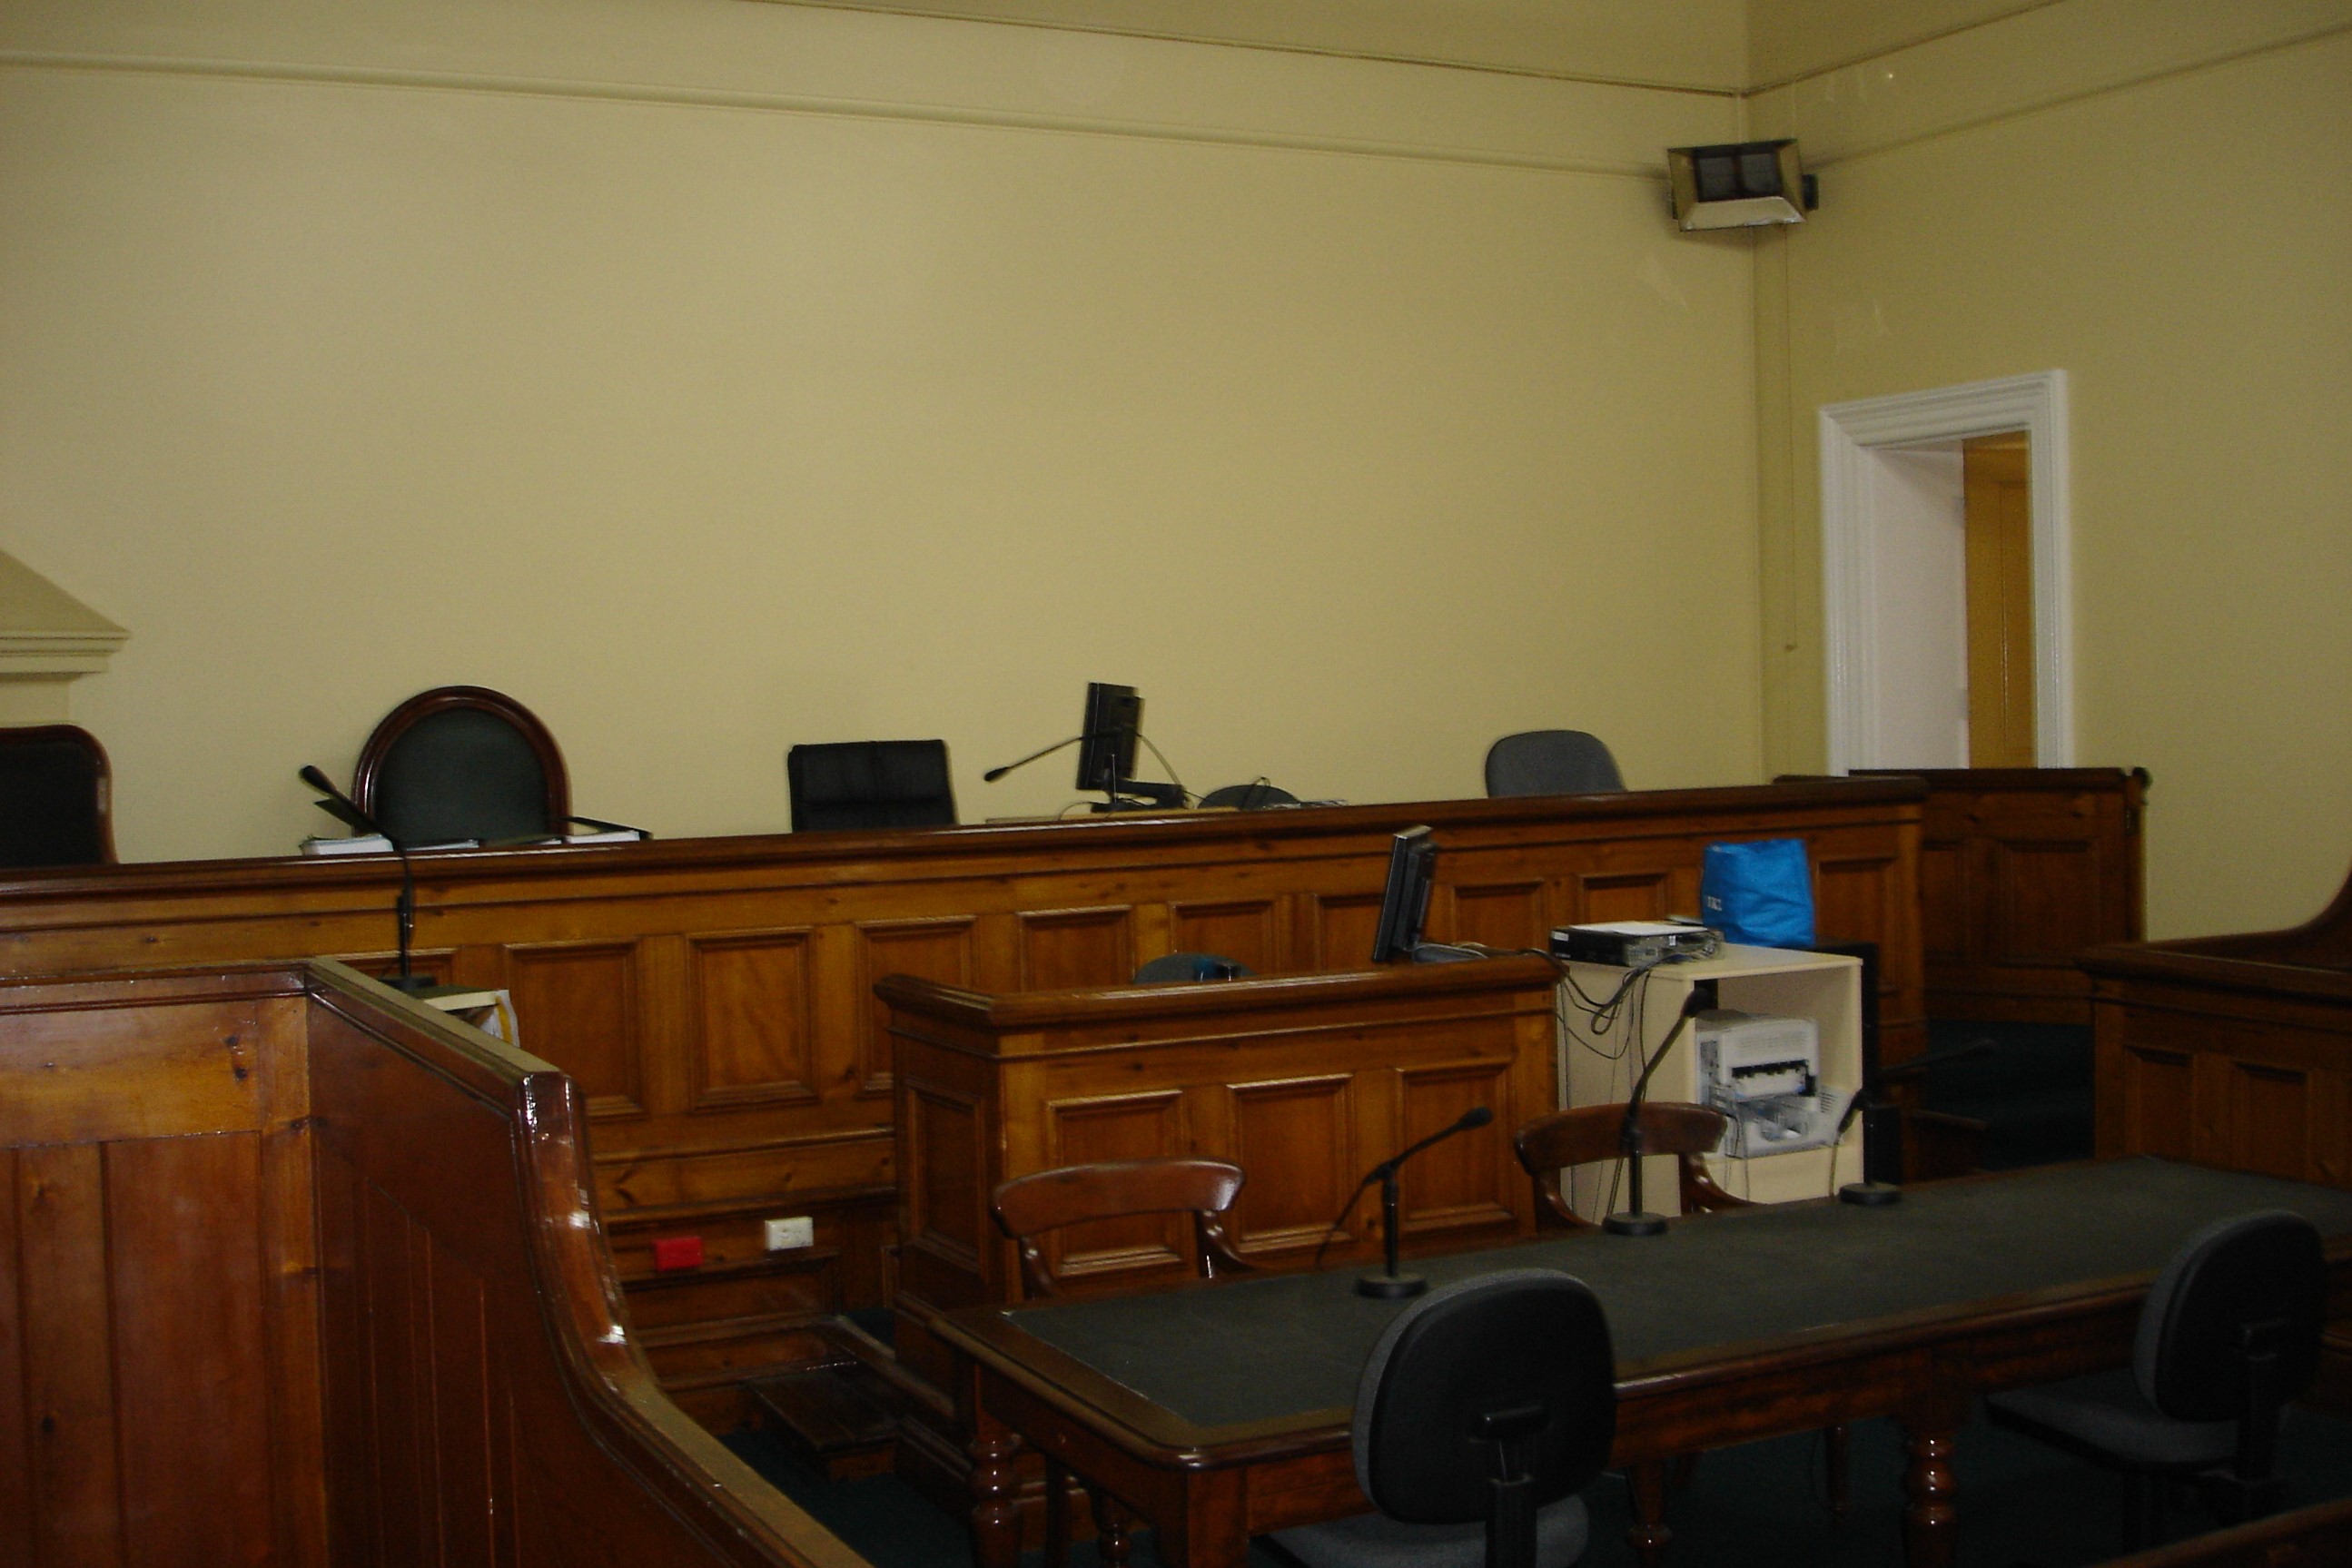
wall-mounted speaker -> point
(1739, 185)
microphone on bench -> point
(1390, 1285)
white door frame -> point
(2034, 403)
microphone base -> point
(412, 985)
(1391, 1287)
(1870, 1193)
(1641, 1222)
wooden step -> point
(840, 1417)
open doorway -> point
(1944, 530)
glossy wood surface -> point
(2231, 1050)
(713, 999)
(296, 1272)
(2021, 871)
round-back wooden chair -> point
(1593, 1134)
(462, 762)
(1031, 1207)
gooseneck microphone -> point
(345, 811)
(994, 774)
(1390, 1285)
(1637, 1221)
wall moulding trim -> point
(1850, 432)
(821, 105)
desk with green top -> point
(1220, 1411)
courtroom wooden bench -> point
(293, 1269)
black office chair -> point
(55, 798)
(462, 762)
(1486, 1407)
(1179, 968)
(1551, 762)
(2228, 1336)
(868, 784)
(1254, 797)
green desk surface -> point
(1294, 1344)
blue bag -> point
(1761, 893)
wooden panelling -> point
(714, 997)
(1063, 949)
(67, 1356)
(187, 1283)
(2232, 1050)
(1304, 1127)
(1092, 1128)
(2021, 869)
(581, 999)
(1249, 933)
(1623, 896)
(155, 1260)
(2158, 1097)
(753, 1036)
(943, 1165)
(938, 949)
(1499, 914)
(1471, 1181)
(1344, 926)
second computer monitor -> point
(1107, 738)
(1404, 903)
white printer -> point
(1763, 1074)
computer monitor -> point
(1107, 738)
(1404, 903)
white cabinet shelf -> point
(1596, 1068)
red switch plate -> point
(675, 1252)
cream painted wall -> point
(715, 376)
(2095, 200)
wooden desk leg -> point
(1113, 1536)
(1648, 1535)
(995, 1494)
(1931, 1522)
(1837, 1459)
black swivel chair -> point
(2228, 1336)
(1486, 1407)
(55, 798)
(1551, 762)
(868, 784)
(462, 762)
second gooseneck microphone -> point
(1390, 1285)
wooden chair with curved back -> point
(462, 762)
(57, 798)
(1593, 1134)
(1030, 1206)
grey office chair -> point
(1483, 1410)
(1254, 797)
(1551, 762)
(2228, 1336)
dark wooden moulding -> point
(2021, 869)
(2231, 1050)
(294, 1271)
(714, 997)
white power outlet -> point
(787, 1234)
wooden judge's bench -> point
(714, 999)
